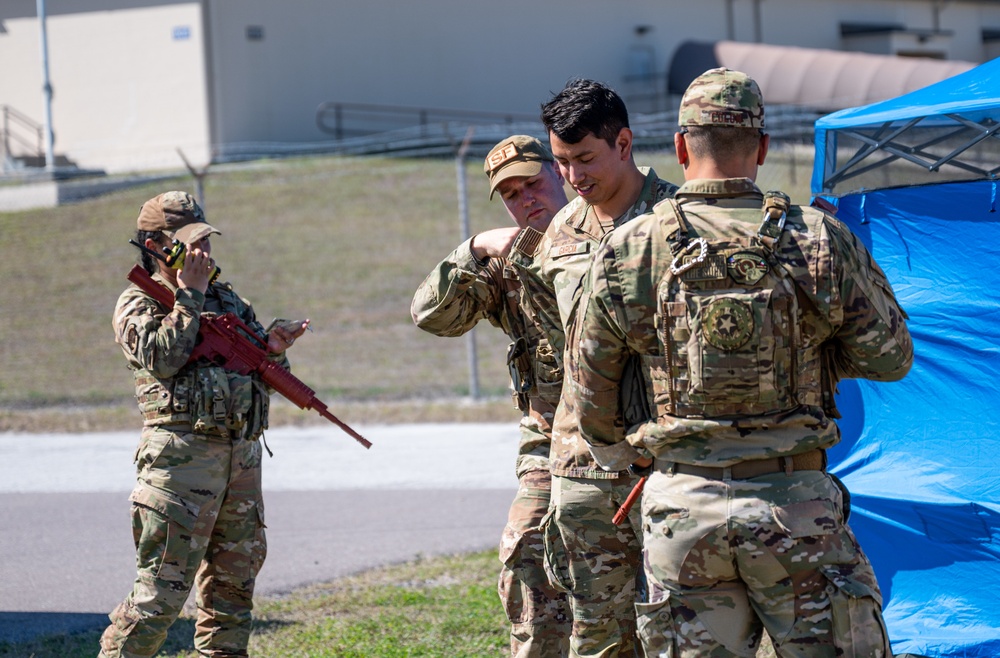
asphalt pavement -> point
(332, 509)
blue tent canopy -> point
(950, 126)
(922, 456)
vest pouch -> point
(153, 398)
(548, 373)
(739, 353)
(256, 416)
(211, 400)
(659, 382)
(163, 401)
(519, 366)
(241, 401)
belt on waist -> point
(814, 460)
(186, 428)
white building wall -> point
(506, 57)
(129, 90)
(459, 54)
(128, 83)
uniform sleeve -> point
(458, 293)
(872, 341)
(153, 339)
(597, 352)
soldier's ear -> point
(624, 143)
(765, 142)
(680, 146)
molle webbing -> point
(729, 322)
(776, 207)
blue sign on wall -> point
(182, 33)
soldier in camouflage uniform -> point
(197, 511)
(744, 311)
(475, 282)
(587, 555)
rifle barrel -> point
(336, 421)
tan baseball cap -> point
(518, 155)
(178, 215)
(722, 97)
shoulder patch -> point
(132, 339)
(527, 241)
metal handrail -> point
(403, 116)
(10, 116)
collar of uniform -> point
(645, 195)
(159, 278)
(718, 187)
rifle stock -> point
(220, 341)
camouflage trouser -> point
(595, 561)
(539, 614)
(197, 519)
(726, 559)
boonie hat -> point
(722, 97)
(178, 215)
(518, 155)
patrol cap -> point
(178, 215)
(722, 97)
(518, 155)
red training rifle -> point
(224, 340)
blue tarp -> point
(922, 456)
(973, 96)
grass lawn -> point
(343, 241)
(443, 607)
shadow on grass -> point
(70, 635)
(64, 635)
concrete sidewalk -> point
(332, 509)
(321, 458)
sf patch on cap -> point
(519, 155)
(722, 97)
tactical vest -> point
(729, 321)
(204, 398)
(519, 363)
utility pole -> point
(199, 178)
(463, 214)
(50, 159)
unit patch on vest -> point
(747, 268)
(728, 324)
(711, 268)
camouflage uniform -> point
(453, 298)
(197, 509)
(591, 558)
(741, 338)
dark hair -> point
(148, 262)
(722, 142)
(584, 107)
